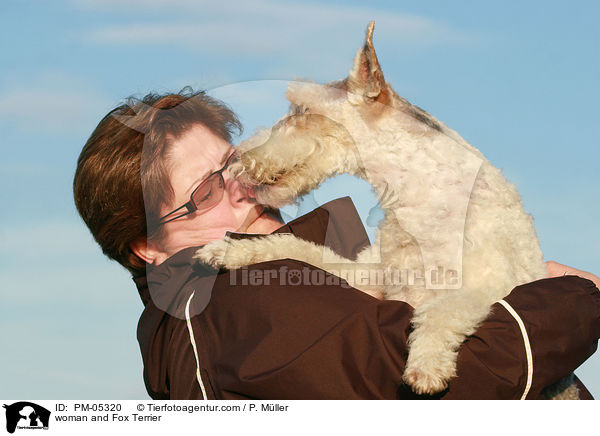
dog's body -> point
(445, 207)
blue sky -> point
(519, 80)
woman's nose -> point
(237, 192)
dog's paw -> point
(428, 367)
(214, 253)
(425, 381)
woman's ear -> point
(147, 250)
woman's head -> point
(141, 162)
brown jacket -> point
(255, 333)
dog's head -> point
(363, 99)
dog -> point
(448, 210)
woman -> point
(151, 184)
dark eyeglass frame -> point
(191, 205)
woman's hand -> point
(556, 269)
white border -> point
(528, 352)
(193, 341)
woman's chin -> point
(251, 219)
(264, 222)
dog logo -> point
(26, 415)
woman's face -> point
(192, 158)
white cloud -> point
(53, 101)
(46, 239)
(54, 261)
(249, 34)
(301, 34)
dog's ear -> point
(366, 77)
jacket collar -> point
(335, 224)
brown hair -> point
(121, 168)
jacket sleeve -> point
(321, 341)
(331, 342)
(538, 334)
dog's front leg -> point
(235, 253)
(440, 327)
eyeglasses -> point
(206, 195)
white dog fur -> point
(445, 205)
